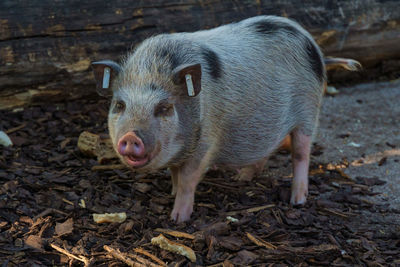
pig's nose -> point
(131, 145)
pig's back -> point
(270, 81)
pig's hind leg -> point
(174, 179)
(248, 172)
(301, 146)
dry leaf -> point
(142, 187)
(65, 228)
(34, 241)
(244, 257)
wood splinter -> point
(174, 247)
(151, 256)
(81, 258)
(126, 258)
(175, 233)
(260, 242)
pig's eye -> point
(163, 110)
(119, 107)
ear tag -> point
(189, 85)
(106, 78)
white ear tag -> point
(106, 78)
(189, 85)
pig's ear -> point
(188, 77)
(104, 72)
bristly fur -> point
(268, 27)
(315, 60)
(214, 66)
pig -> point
(224, 97)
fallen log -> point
(46, 47)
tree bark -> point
(46, 46)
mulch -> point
(48, 193)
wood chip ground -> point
(48, 193)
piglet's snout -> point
(130, 145)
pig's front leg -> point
(188, 177)
(301, 146)
(185, 190)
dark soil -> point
(44, 177)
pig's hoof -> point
(181, 214)
(298, 198)
(245, 174)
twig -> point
(364, 187)
(250, 210)
(316, 171)
(207, 205)
(151, 256)
(142, 260)
(68, 202)
(126, 257)
(118, 255)
(15, 128)
(175, 233)
(221, 185)
(341, 172)
(108, 167)
(48, 211)
(260, 242)
(81, 258)
(338, 213)
(333, 240)
(220, 264)
(366, 201)
(255, 209)
(277, 216)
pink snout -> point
(131, 147)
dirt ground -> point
(48, 193)
(362, 125)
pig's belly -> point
(239, 150)
(252, 127)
